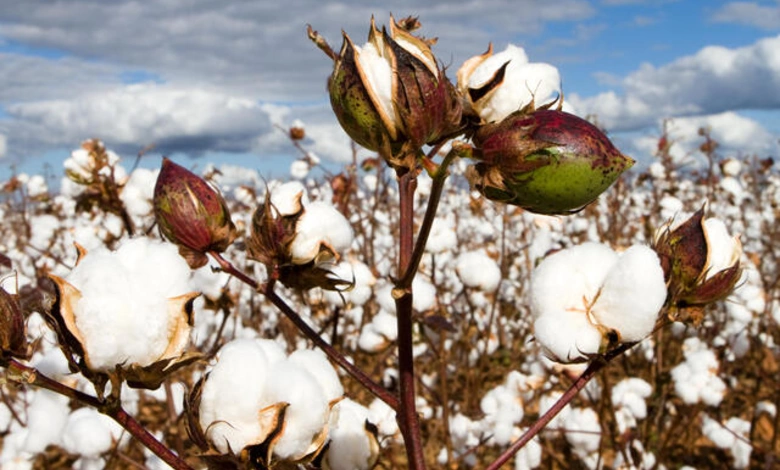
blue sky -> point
(211, 79)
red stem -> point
(21, 373)
(593, 368)
(408, 421)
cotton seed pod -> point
(390, 94)
(191, 213)
(701, 264)
(546, 161)
(13, 338)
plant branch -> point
(408, 421)
(439, 176)
(23, 374)
(593, 368)
(314, 337)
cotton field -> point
(510, 307)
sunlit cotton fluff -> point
(352, 446)
(321, 225)
(124, 314)
(476, 269)
(523, 82)
(581, 293)
(254, 384)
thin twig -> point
(21, 373)
(593, 368)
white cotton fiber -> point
(632, 294)
(476, 269)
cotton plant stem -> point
(314, 337)
(408, 421)
(594, 367)
(23, 374)
(438, 178)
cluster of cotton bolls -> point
(502, 298)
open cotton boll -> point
(308, 410)
(47, 414)
(583, 430)
(361, 292)
(350, 446)
(137, 193)
(321, 224)
(632, 294)
(567, 335)
(476, 269)
(89, 433)
(233, 393)
(562, 279)
(288, 197)
(316, 363)
(123, 313)
(722, 248)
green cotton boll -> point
(546, 161)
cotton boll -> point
(321, 224)
(232, 395)
(632, 295)
(351, 447)
(123, 313)
(583, 430)
(442, 237)
(138, 192)
(478, 270)
(562, 279)
(46, 418)
(721, 246)
(316, 363)
(89, 433)
(288, 198)
(424, 297)
(299, 169)
(308, 410)
(530, 456)
(567, 335)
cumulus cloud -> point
(79, 69)
(172, 118)
(713, 80)
(238, 44)
(750, 14)
(735, 134)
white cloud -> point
(736, 135)
(714, 80)
(749, 13)
(170, 117)
(3, 145)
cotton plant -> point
(516, 267)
